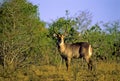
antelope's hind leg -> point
(89, 62)
(90, 65)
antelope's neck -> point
(62, 46)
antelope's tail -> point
(90, 51)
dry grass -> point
(104, 71)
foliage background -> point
(25, 39)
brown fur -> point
(75, 50)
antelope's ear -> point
(54, 35)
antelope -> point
(75, 50)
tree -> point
(20, 28)
(66, 27)
(113, 31)
(83, 19)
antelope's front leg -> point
(68, 60)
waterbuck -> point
(75, 50)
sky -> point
(102, 10)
